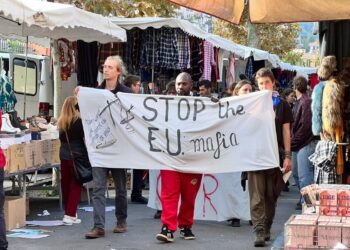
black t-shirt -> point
(283, 115)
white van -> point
(36, 96)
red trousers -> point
(175, 184)
(71, 190)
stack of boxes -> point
(21, 154)
(325, 229)
(31, 155)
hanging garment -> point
(221, 64)
(284, 80)
(316, 107)
(230, 74)
(208, 55)
(313, 78)
(324, 161)
(167, 55)
(249, 70)
(110, 49)
(148, 46)
(215, 76)
(196, 58)
(7, 96)
(132, 51)
(87, 55)
(183, 48)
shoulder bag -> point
(81, 165)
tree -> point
(127, 8)
(293, 57)
(274, 38)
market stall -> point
(33, 145)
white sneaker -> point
(69, 220)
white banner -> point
(187, 134)
(219, 198)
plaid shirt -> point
(209, 60)
(324, 161)
(196, 58)
(183, 47)
(249, 70)
(148, 44)
(167, 55)
(132, 50)
(110, 49)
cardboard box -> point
(17, 159)
(29, 154)
(55, 151)
(38, 154)
(46, 151)
(300, 233)
(15, 212)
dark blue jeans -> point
(3, 241)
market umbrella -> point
(272, 11)
(54, 20)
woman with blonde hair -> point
(72, 139)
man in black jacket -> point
(113, 68)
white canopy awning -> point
(54, 20)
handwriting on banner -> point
(188, 109)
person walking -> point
(71, 135)
(113, 69)
(243, 87)
(176, 184)
(133, 82)
(303, 143)
(263, 191)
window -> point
(19, 72)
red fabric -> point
(71, 190)
(175, 184)
(313, 80)
(2, 156)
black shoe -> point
(298, 206)
(165, 235)
(186, 233)
(235, 222)
(140, 200)
(158, 214)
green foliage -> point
(274, 38)
(127, 8)
(293, 57)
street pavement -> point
(142, 228)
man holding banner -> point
(265, 185)
(180, 135)
(113, 68)
(176, 184)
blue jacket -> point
(317, 108)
